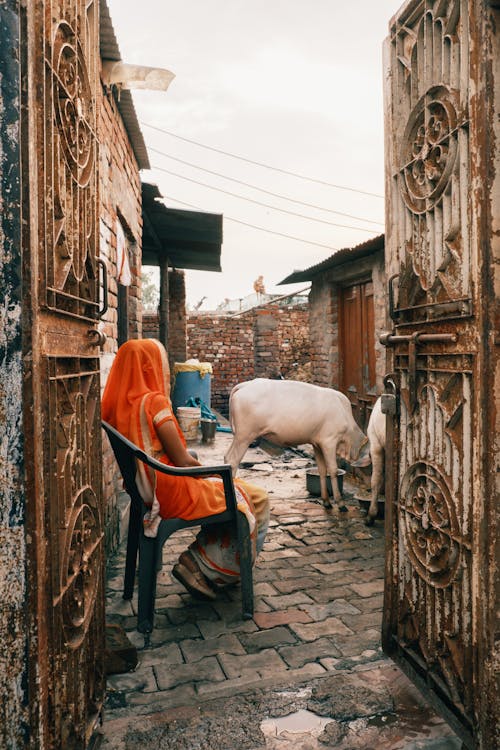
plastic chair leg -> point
(245, 550)
(147, 583)
(134, 528)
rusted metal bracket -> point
(99, 337)
(414, 340)
(104, 306)
(393, 312)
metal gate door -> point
(442, 57)
(63, 429)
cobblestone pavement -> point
(311, 652)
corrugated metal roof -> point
(189, 239)
(346, 255)
(110, 51)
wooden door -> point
(357, 349)
(443, 254)
(62, 422)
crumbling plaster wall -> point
(13, 575)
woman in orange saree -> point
(136, 401)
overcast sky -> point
(293, 84)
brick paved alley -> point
(315, 636)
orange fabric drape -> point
(135, 400)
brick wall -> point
(120, 201)
(228, 343)
(260, 342)
(323, 331)
(177, 322)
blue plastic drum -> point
(192, 380)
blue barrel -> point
(192, 380)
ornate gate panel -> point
(62, 268)
(440, 241)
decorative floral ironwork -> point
(73, 104)
(71, 178)
(75, 509)
(430, 524)
(429, 149)
(81, 567)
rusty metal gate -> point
(61, 272)
(442, 59)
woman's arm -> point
(173, 447)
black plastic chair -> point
(150, 549)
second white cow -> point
(291, 413)
(376, 436)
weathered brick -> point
(195, 650)
(313, 631)
(368, 589)
(337, 607)
(265, 662)
(200, 671)
(290, 585)
(288, 600)
(143, 679)
(302, 653)
(270, 638)
(285, 617)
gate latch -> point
(415, 340)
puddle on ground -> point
(300, 722)
(298, 730)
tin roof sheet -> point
(189, 239)
(345, 255)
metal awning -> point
(189, 239)
(347, 255)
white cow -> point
(376, 437)
(290, 413)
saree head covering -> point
(135, 400)
(140, 368)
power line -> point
(259, 203)
(263, 190)
(261, 229)
(261, 164)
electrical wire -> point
(260, 164)
(259, 203)
(263, 190)
(261, 229)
